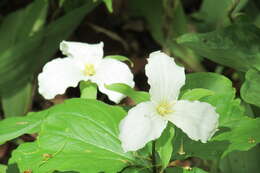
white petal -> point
(140, 126)
(57, 76)
(82, 50)
(198, 120)
(112, 71)
(164, 76)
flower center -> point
(89, 70)
(164, 108)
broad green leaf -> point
(88, 90)
(236, 46)
(196, 94)
(19, 103)
(241, 161)
(109, 4)
(120, 58)
(16, 68)
(11, 128)
(164, 146)
(79, 135)
(243, 136)
(137, 96)
(183, 170)
(251, 87)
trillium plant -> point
(84, 62)
(174, 87)
(183, 116)
(147, 120)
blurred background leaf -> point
(28, 51)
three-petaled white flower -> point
(83, 62)
(147, 120)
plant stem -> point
(88, 90)
(154, 157)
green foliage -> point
(120, 58)
(241, 162)
(14, 127)
(243, 136)
(19, 103)
(137, 96)
(92, 145)
(250, 89)
(2, 168)
(35, 47)
(109, 4)
(236, 46)
(164, 146)
(240, 136)
(223, 98)
(165, 24)
(136, 170)
(216, 14)
(81, 135)
(196, 94)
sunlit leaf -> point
(78, 135)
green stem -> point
(88, 90)
(154, 157)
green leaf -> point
(251, 87)
(231, 115)
(164, 146)
(79, 135)
(109, 5)
(120, 58)
(243, 136)
(215, 14)
(196, 94)
(16, 68)
(136, 170)
(11, 128)
(88, 90)
(235, 46)
(22, 24)
(223, 99)
(19, 103)
(137, 96)
(241, 161)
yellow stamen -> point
(164, 108)
(89, 70)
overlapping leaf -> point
(236, 46)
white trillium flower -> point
(84, 62)
(147, 120)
